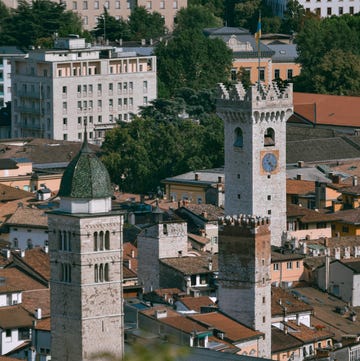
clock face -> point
(269, 162)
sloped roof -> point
(295, 186)
(281, 299)
(281, 341)
(307, 215)
(234, 331)
(335, 110)
(28, 217)
(192, 265)
(8, 193)
(283, 52)
(8, 163)
(37, 298)
(43, 325)
(195, 303)
(208, 212)
(16, 280)
(351, 216)
(14, 317)
(307, 334)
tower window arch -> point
(101, 236)
(96, 273)
(107, 240)
(239, 138)
(60, 240)
(101, 273)
(269, 137)
(106, 272)
(95, 241)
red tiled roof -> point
(307, 215)
(233, 330)
(281, 341)
(351, 216)
(8, 193)
(26, 216)
(330, 109)
(199, 239)
(14, 317)
(294, 186)
(15, 280)
(195, 303)
(192, 265)
(43, 325)
(32, 300)
(307, 334)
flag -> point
(258, 31)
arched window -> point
(60, 240)
(69, 273)
(106, 272)
(68, 245)
(62, 272)
(64, 241)
(269, 137)
(96, 241)
(239, 138)
(30, 243)
(101, 273)
(107, 240)
(101, 240)
(96, 273)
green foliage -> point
(195, 17)
(321, 46)
(40, 19)
(192, 60)
(111, 28)
(215, 6)
(145, 25)
(294, 17)
(160, 144)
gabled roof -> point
(28, 217)
(284, 53)
(353, 190)
(307, 215)
(324, 109)
(281, 341)
(307, 334)
(16, 280)
(351, 216)
(208, 212)
(234, 331)
(8, 193)
(35, 299)
(299, 187)
(43, 325)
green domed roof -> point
(85, 177)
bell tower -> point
(255, 151)
(85, 244)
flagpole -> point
(258, 36)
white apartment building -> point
(323, 8)
(58, 93)
(6, 53)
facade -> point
(323, 8)
(58, 93)
(85, 241)
(6, 54)
(244, 283)
(255, 152)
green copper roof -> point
(85, 177)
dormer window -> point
(269, 137)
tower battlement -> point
(255, 97)
(244, 221)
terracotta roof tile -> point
(354, 190)
(192, 265)
(206, 211)
(28, 216)
(199, 239)
(43, 325)
(15, 280)
(351, 216)
(195, 303)
(14, 317)
(281, 341)
(307, 334)
(330, 109)
(281, 300)
(8, 193)
(307, 215)
(295, 186)
(234, 331)
(130, 254)
(32, 300)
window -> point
(351, 10)
(107, 5)
(23, 333)
(117, 4)
(162, 4)
(297, 264)
(269, 137)
(145, 86)
(99, 118)
(238, 138)
(107, 240)
(65, 136)
(99, 88)
(318, 11)
(263, 299)
(79, 120)
(79, 106)
(263, 319)
(269, 211)
(148, 5)
(341, 10)
(239, 196)
(74, 5)
(64, 106)
(165, 230)
(328, 11)
(65, 269)
(110, 87)
(175, 4)
(79, 136)
(85, 5)
(233, 74)
(269, 198)
(262, 74)
(8, 333)
(289, 265)
(276, 266)
(64, 121)
(99, 103)
(64, 89)
(277, 74)
(96, 5)
(145, 100)
(90, 88)
(345, 229)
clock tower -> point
(255, 152)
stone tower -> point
(85, 243)
(244, 281)
(255, 152)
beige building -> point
(57, 92)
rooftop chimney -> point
(300, 164)
(197, 176)
(298, 176)
(355, 180)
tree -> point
(145, 25)
(192, 60)
(39, 19)
(215, 6)
(294, 17)
(322, 41)
(195, 17)
(112, 29)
